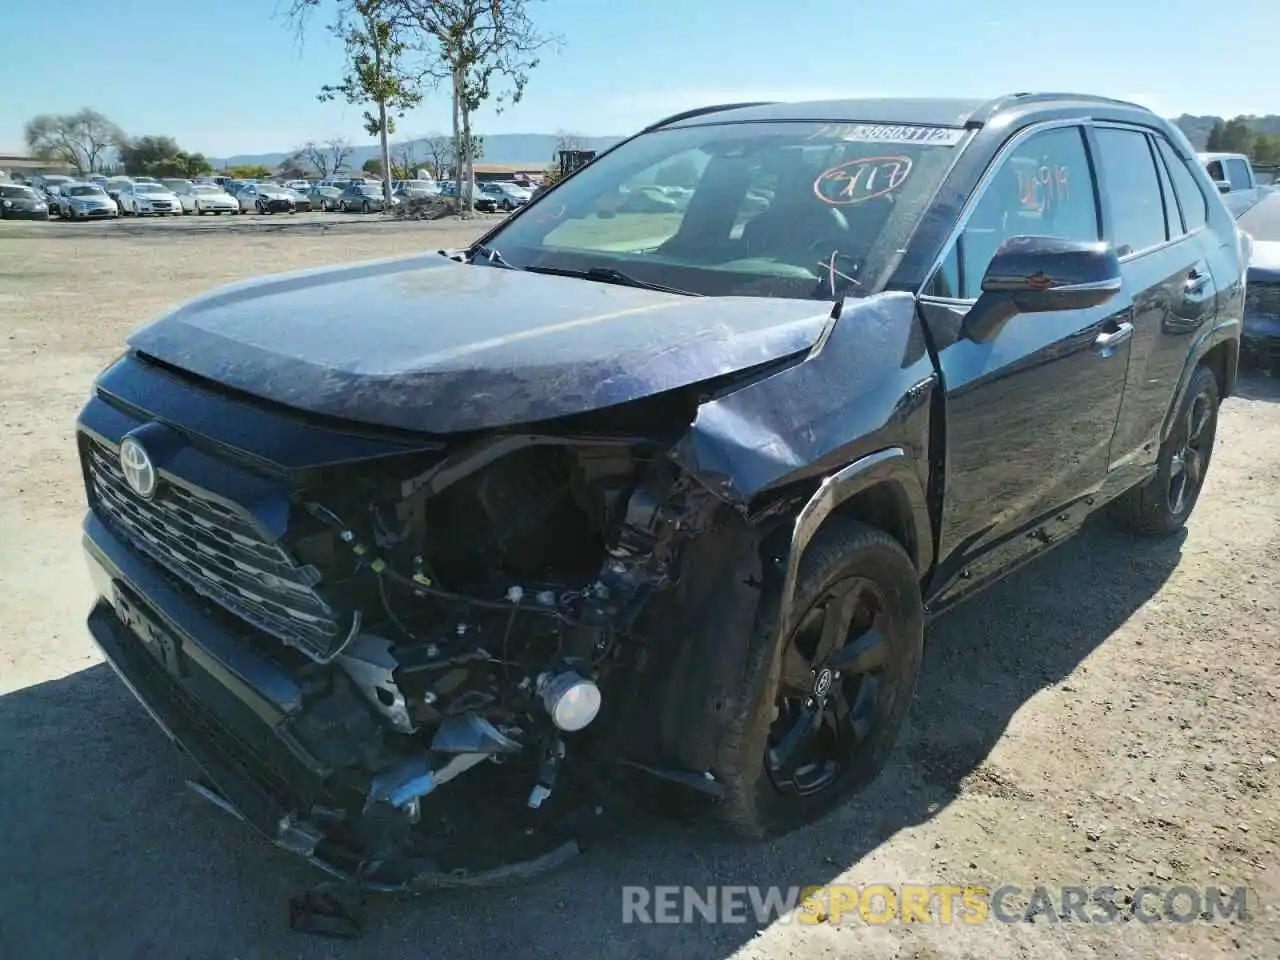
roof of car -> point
(929, 111)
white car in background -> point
(210, 198)
(140, 199)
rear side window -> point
(1132, 190)
(1195, 210)
(1238, 174)
(1172, 216)
(1044, 188)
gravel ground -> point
(1108, 716)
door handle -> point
(1196, 282)
(1107, 342)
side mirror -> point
(1042, 275)
(1223, 186)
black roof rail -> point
(699, 111)
(1086, 97)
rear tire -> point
(1163, 504)
(882, 649)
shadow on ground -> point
(1256, 384)
(106, 854)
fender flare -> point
(1224, 331)
(889, 465)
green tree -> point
(249, 171)
(1236, 136)
(161, 157)
(81, 140)
(373, 167)
(373, 37)
(1214, 143)
(485, 49)
(1266, 148)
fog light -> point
(572, 700)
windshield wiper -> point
(491, 255)
(610, 275)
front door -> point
(1030, 413)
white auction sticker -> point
(886, 133)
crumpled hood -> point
(425, 343)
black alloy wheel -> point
(1190, 462)
(1163, 504)
(829, 688)
(819, 709)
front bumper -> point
(96, 213)
(276, 206)
(12, 213)
(230, 708)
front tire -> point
(1163, 504)
(819, 713)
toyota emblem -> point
(139, 472)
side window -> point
(1132, 191)
(1195, 210)
(1238, 174)
(1215, 171)
(1172, 217)
(1044, 188)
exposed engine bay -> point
(497, 599)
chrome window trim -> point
(984, 183)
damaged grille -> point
(216, 552)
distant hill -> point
(535, 149)
(1197, 128)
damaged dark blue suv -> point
(662, 475)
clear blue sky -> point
(229, 78)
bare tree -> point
(439, 151)
(405, 156)
(485, 49)
(80, 140)
(566, 140)
(339, 153)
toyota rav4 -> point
(665, 472)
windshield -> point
(785, 209)
(151, 188)
(15, 192)
(204, 188)
(84, 190)
(369, 189)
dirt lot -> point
(1107, 717)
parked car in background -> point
(299, 186)
(324, 197)
(508, 195)
(1262, 292)
(363, 197)
(211, 198)
(481, 201)
(1232, 174)
(301, 200)
(415, 189)
(21, 202)
(49, 184)
(142, 198)
(85, 201)
(113, 185)
(180, 188)
(266, 198)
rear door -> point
(1162, 243)
(1030, 413)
